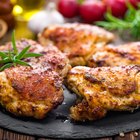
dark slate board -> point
(57, 124)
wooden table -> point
(8, 135)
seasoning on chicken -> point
(33, 91)
(104, 89)
(116, 55)
(78, 41)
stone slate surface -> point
(58, 125)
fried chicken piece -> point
(116, 55)
(104, 89)
(76, 40)
(34, 91)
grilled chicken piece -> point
(116, 55)
(34, 91)
(103, 89)
(76, 40)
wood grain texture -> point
(1, 134)
(104, 139)
(129, 136)
(7, 135)
(48, 139)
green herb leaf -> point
(12, 57)
(108, 25)
(20, 62)
(6, 60)
(3, 55)
(130, 14)
(14, 43)
(23, 52)
(120, 22)
(32, 55)
(8, 65)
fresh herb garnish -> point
(130, 22)
(14, 57)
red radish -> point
(117, 7)
(91, 10)
(134, 2)
(68, 8)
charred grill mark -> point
(18, 87)
(103, 88)
(91, 79)
(124, 91)
(127, 56)
(100, 63)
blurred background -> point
(29, 17)
(16, 15)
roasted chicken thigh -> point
(78, 41)
(104, 89)
(126, 54)
(36, 89)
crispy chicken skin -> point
(34, 91)
(103, 89)
(116, 55)
(76, 40)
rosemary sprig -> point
(14, 57)
(130, 22)
(14, 43)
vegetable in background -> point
(134, 2)
(130, 22)
(118, 8)
(94, 10)
(91, 10)
(68, 8)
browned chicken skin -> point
(116, 55)
(100, 89)
(34, 91)
(78, 41)
(103, 89)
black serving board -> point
(58, 125)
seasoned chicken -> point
(116, 55)
(78, 41)
(104, 89)
(34, 91)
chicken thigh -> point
(34, 90)
(78, 41)
(104, 89)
